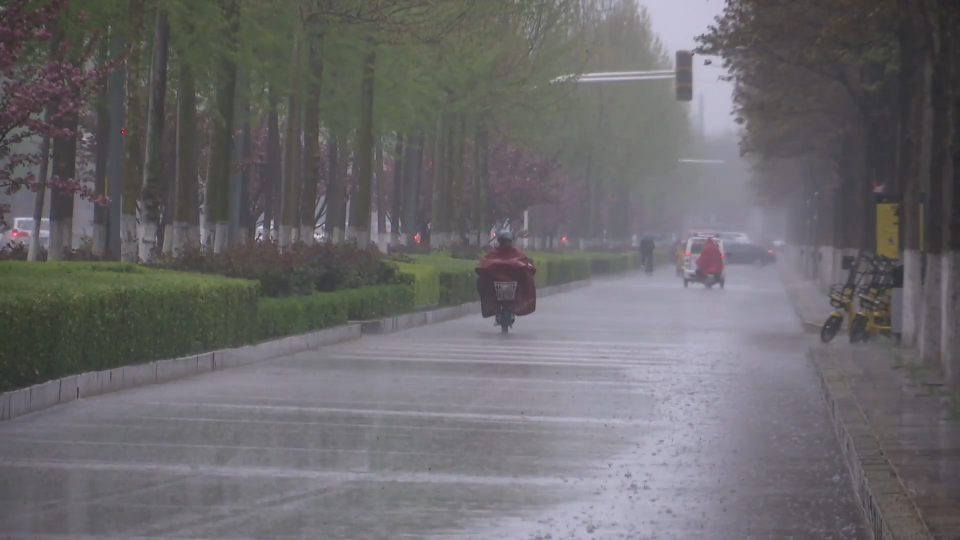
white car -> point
(694, 247)
(23, 228)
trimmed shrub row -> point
(443, 279)
(58, 319)
(299, 269)
(298, 314)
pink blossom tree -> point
(520, 178)
(35, 79)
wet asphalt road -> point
(633, 409)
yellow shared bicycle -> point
(873, 317)
(842, 296)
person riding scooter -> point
(506, 264)
(505, 249)
(646, 254)
(710, 260)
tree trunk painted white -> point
(128, 238)
(932, 311)
(474, 238)
(825, 266)
(306, 235)
(439, 240)
(67, 233)
(99, 238)
(950, 317)
(383, 241)
(360, 236)
(168, 238)
(838, 273)
(56, 241)
(178, 233)
(221, 236)
(286, 236)
(912, 297)
(148, 240)
(194, 236)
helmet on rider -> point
(505, 239)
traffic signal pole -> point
(682, 74)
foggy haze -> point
(678, 23)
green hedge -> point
(66, 318)
(426, 282)
(442, 279)
(560, 268)
(614, 263)
(457, 280)
(298, 314)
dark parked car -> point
(749, 254)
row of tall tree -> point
(841, 102)
(284, 116)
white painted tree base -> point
(129, 245)
(57, 240)
(931, 313)
(178, 234)
(193, 238)
(99, 238)
(148, 241)
(306, 236)
(912, 297)
(438, 240)
(360, 236)
(286, 236)
(383, 242)
(950, 318)
(167, 247)
(221, 236)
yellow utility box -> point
(888, 230)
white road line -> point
(517, 418)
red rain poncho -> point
(506, 265)
(710, 260)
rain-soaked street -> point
(631, 409)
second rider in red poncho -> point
(506, 264)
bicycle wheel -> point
(858, 329)
(830, 328)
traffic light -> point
(684, 74)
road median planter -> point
(109, 317)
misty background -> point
(723, 196)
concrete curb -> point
(886, 503)
(810, 327)
(94, 383)
(71, 388)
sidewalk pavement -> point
(897, 426)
